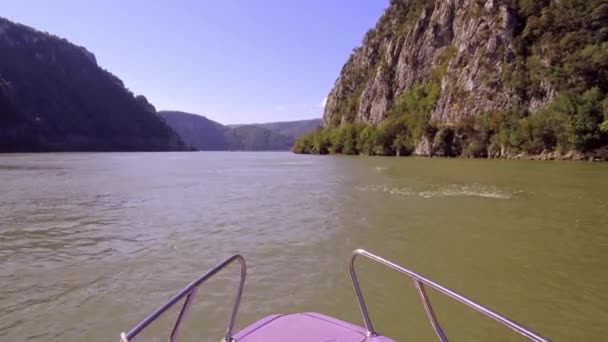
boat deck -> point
(305, 327)
(314, 327)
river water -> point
(92, 243)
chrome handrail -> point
(190, 292)
(420, 281)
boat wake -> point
(442, 192)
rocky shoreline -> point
(600, 155)
(596, 156)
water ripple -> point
(92, 243)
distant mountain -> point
(294, 129)
(197, 131)
(255, 138)
(207, 135)
(54, 97)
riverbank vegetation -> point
(572, 122)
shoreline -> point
(573, 156)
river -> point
(92, 243)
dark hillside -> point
(54, 97)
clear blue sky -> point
(235, 61)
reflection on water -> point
(92, 243)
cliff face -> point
(54, 97)
(465, 42)
(473, 57)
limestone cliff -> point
(482, 56)
(410, 42)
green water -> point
(92, 243)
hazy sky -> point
(235, 61)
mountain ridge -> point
(295, 128)
(207, 135)
(55, 97)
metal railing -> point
(190, 292)
(420, 283)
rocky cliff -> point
(54, 97)
(455, 62)
(463, 43)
